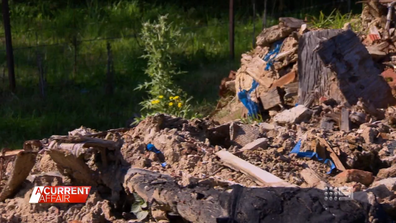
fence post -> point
(75, 56)
(254, 24)
(110, 72)
(10, 53)
(231, 29)
(41, 74)
(265, 14)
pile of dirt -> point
(118, 165)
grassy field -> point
(75, 92)
(76, 73)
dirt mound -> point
(192, 184)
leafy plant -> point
(334, 20)
(252, 120)
(160, 39)
(139, 208)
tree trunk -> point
(202, 203)
(335, 64)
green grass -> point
(335, 20)
(75, 99)
(78, 98)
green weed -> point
(335, 20)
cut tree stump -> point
(313, 76)
(335, 64)
(357, 75)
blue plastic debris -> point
(274, 52)
(150, 147)
(251, 106)
(311, 154)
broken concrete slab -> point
(262, 143)
(266, 126)
(369, 134)
(387, 172)
(389, 183)
(312, 179)
(294, 115)
(272, 34)
(242, 134)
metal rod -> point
(389, 18)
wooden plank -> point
(284, 80)
(357, 75)
(256, 71)
(317, 148)
(271, 99)
(261, 142)
(11, 153)
(261, 176)
(333, 155)
(345, 122)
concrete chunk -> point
(261, 142)
(296, 115)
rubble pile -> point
(318, 143)
(202, 173)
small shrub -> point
(159, 40)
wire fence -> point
(44, 58)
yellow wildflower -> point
(170, 103)
(179, 104)
(161, 96)
(176, 97)
(170, 98)
(155, 102)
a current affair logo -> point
(60, 194)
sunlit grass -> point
(78, 98)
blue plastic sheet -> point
(311, 154)
(270, 57)
(244, 96)
(150, 147)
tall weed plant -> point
(160, 39)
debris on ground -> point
(308, 111)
